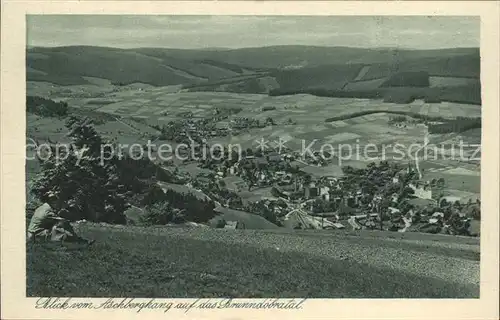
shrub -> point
(345, 211)
(432, 228)
(221, 223)
(193, 208)
(164, 175)
(196, 210)
(159, 213)
(397, 119)
(475, 213)
(259, 208)
(154, 194)
(385, 217)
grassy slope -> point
(245, 263)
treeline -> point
(363, 94)
(403, 113)
(247, 86)
(101, 191)
(458, 125)
(192, 208)
(393, 95)
(87, 188)
(408, 79)
(46, 107)
(470, 94)
(261, 209)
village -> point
(300, 191)
(276, 184)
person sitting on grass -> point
(46, 225)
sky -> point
(174, 31)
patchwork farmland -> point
(137, 109)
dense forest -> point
(101, 191)
(408, 79)
(470, 94)
(46, 107)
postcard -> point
(243, 160)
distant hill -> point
(282, 56)
(69, 65)
(277, 69)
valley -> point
(366, 162)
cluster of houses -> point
(217, 126)
(241, 123)
(297, 193)
(201, 129)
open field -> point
(41, 128)
(173, 262)
(126, 131)
(255, 195)
(469, 183)
(166, 105)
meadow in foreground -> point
(207, 263)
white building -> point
(324, 193)
(421, 192)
